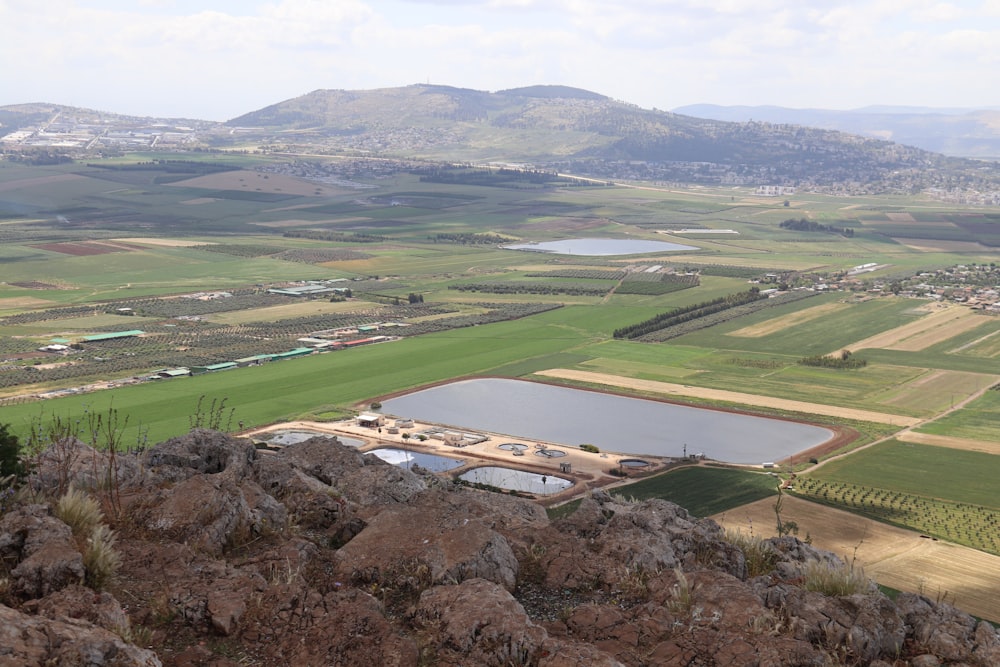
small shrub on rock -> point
(760, 556)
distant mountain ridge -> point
(565, 128)
(557, 124)
(952, 131)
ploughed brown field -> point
(85, 248)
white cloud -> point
(221, 58)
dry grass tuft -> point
(79, 511)
(835, 580)
(760, 557)
(100, 559)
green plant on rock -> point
(10, 456)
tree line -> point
(804, 225)
(688, 313)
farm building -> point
(313, 342)
(113, 335)
(365, 341)
(167, 373)
(370, 419)
(211, 368)
(309, 289)
(291, 354)
(255, 360)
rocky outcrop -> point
(432, 539)
(319, 555)
(64, 642)
(39, 551)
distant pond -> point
(406, 459)
(292, 437)
(516, 480)
(614, 423)
(601, 247)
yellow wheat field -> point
(675, 390)
(944, 322)
(894, 557)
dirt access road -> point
(682, 390)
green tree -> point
(10, 453)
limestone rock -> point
(940, 629)
(71, 461)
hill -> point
(556, 124)
(959, 132)
(549, 127)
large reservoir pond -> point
(601, 247)
(613, 423)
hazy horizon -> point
(218, 59)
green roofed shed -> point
(112, 335)
(195, 370)
(291, 354)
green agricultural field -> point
(935, 391)
(982, 342)
(753, 354)
(284, 390)
(922, 470)
(703, 491)
(947, 493)
(836, 331)
(979, 420)
(156, 270)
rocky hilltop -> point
(226, 555)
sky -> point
(218, 59)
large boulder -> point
(303, 625)
(201, 451)
(365, 480)
(432, 541)
(210, 512)
(950, 634)
(70, 462)
(79, 602)
(625, 541)
(207, 594)
(40, 550)
(478, 622)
